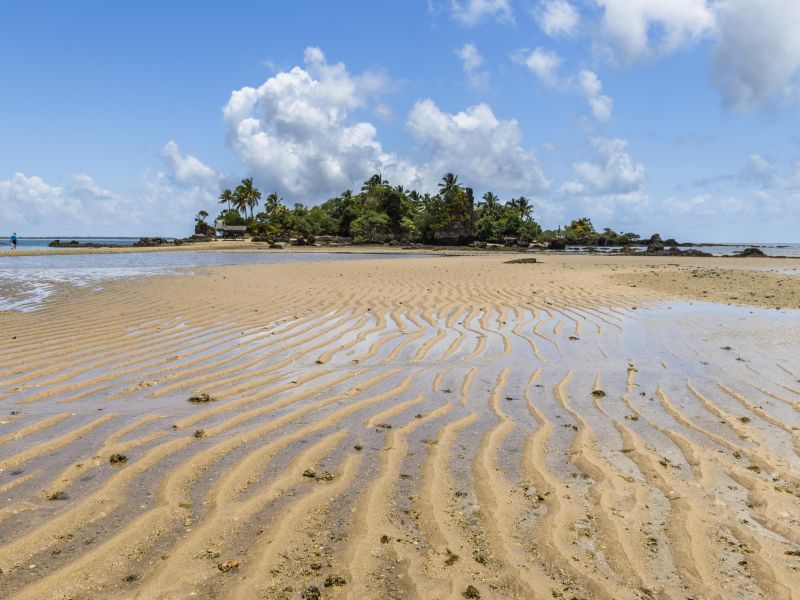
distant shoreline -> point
(246, 246)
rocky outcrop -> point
(149, 242)
(77, 244)
(557, 245)
(751, 251)
(655, 244)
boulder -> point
(751, 251)
(656, 244)
(151, 241)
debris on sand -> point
(451, 558)
(311, 593)
(312, 474)
(59, 495)
(358, 447)
(521, 261)
(202, 398)
(598, 393)
(335, 581)
(471, 592)
(383, 426)
(200, 433)
(229, 566)
(117, 459)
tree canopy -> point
(381, 212)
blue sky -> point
(678, 117)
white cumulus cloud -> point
(186, 168)
(296, 134)
(636, 29)
(471, 62)
(557, 17)
(543, 63)
(472, 12)
(592, 89)
(485, 150)
(612, 172)
(160, 204)
(758, 56)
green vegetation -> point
(381, 212)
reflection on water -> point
(25, 281)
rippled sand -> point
(416, 428)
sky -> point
(678, 117)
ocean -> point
(29, 243)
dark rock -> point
(471, 592)
(311, 593)
(557, 245)
(148, 242)
(751, 251)
(202, 398)
(521, 261)
(229, 566)
(335, 581)
(117, 459)
(656, 244)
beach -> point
(436, 427)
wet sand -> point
(437, 427)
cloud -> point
(762, 172)
(296, 135)
(483, 149)
(471, 62)
(612, 172)
(472, 12)
(29, 202)
(162, 203)
(591, 87)
(758, 55)
(186, 168)
(637, 29)
(557, 17)
(543, 63)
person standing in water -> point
(14, 241)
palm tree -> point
(226, 197)
(449, 184)
(247, 196)
(523, 206)
(490, 204)
(373, 181)
(272, 204)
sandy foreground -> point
(438, 427)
